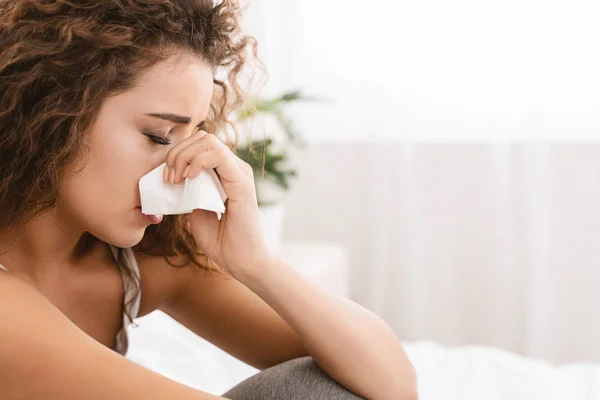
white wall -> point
(437, 69)
(464, 243)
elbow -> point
(411, 389)
(406, 388)
(407, 392)
(412, 394)
(404, 392)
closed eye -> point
(163, 141)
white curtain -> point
(464, 243)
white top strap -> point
(1, 267)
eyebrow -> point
(178, 119)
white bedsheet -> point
(478, 372)
(445, 373)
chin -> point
(126, 242)
(123, 238)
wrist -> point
(256, 273)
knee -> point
(300, 378)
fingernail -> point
(187, 169)
(166, 174)
(172, 176)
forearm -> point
(353, 345)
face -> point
(126, 142)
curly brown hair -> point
(59, 60)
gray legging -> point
(298, 379)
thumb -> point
(203, 222)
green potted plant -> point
(269, 156)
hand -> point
(236, 242)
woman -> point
(95, 94)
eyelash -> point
(158, 139)
(161, 140)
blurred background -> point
(438, 162)
(452, 156)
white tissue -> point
(203, 192)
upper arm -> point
(43, 355)
(228, 314)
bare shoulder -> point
(43, 355)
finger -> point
(168, 173)
(180, 165)
(222, 161)
(246, 167)
(183, 162)
(204, 225)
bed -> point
(465, 373)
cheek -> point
(108, 180)
(103, 197)
(118, 162)
(119, 156)
(97, 186)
